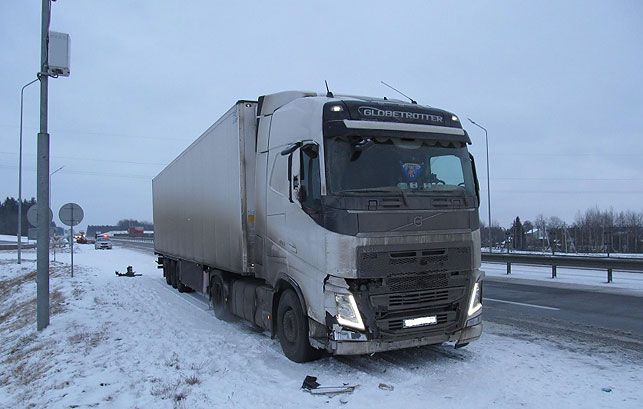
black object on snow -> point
(310, 382)
(313, 387)
(130, 273)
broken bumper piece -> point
(347, 342)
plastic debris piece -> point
(385, 387)
(313, 387)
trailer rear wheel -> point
(167, 271)
(182, 287)
(292, 329)
(175, 277)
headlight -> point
(347, 313)
(475, 303)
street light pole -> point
(42, 274)
(53, 242)
(22, 94)
(486, 139)
(50, 175)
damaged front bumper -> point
(347, 342)
(446, 326)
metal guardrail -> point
(609, 264)
(134, 239)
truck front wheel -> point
(292, 329)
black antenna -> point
(328, 93)
(400, 92)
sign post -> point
(71, 214)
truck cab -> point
(368, 209)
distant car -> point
(103, 243)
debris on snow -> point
(130, 273)
(313, 387)
(385, 387)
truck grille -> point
(415, 281)
(382, 262)
(433, 294)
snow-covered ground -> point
(632, 282)
(122, 342)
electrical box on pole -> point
(58, 54)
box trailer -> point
(336, 223)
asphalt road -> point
(579, 317)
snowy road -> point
(136, 343)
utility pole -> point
(42, 275)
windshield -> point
(381, 164)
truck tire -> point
(292, 329)
(175, 278)
(217, 298)
(167, 272)
(182, 287)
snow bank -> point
(135, 342)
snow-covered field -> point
(123, 342)
(598, 278)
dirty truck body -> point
(337, 223)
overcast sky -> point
(558, 84)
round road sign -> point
(71, 214)
(32, 215)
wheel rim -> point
(289, 324)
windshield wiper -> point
(387, 189)
(364, 190)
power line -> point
(92, 159)
(110, 134)
(553, 178)
(87, 173)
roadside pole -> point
(42, 275)
(71, 214)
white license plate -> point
(418, 322)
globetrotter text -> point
(417, 116)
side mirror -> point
(475, 177)
(290, 149)
(311, 149)
(302, 194)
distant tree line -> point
(593, 231)
(127, 223)
(9, 216)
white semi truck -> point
(337, 223)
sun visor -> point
(416, 131)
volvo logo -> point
(415, 116)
